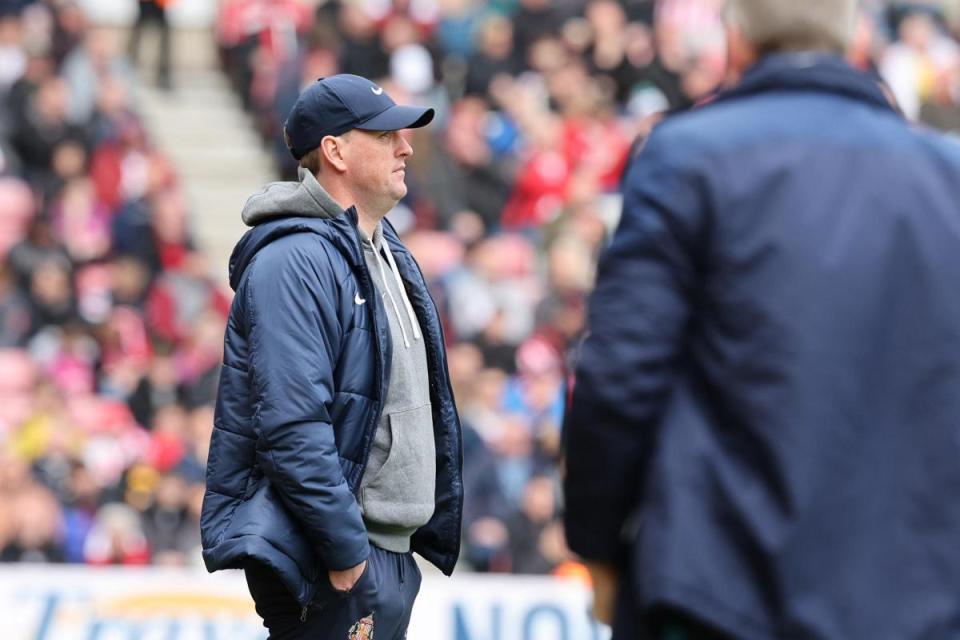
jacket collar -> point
(342, 231)
(351, 235)
(808, 71)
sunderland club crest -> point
(362, 629)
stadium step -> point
(203, 129)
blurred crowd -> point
(110, 330)
(513, 189)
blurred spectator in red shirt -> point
(116, 537)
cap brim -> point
(398, 117)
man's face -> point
(376, 161)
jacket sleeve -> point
(295, 335)
(637, 320)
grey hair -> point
(794, 25)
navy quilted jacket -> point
(304, 372)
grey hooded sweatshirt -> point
(396, 493)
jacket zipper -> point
(445, 378)
(379, 360)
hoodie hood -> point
(284, 199)
(284, 208)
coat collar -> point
(808, 71)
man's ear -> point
(332, 148)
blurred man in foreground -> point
(336, 447)
(764, 440)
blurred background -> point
(132, 132)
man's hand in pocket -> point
(345, 580)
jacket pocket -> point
(364, 576)
(401, 493)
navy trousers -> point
(378, 606)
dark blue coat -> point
(304, 373)
(765, 428)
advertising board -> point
(39, 602)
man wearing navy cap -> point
(336, 448)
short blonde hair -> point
(794, 25)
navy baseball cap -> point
(332, 106)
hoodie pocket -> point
(401, 493)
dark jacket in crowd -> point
(295, 417)
(765, 429)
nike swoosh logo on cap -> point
(376, 90)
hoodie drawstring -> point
(393, 301)
(403, 291)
